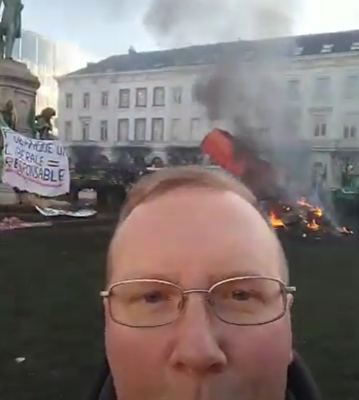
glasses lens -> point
(248, 301)
(145, 303)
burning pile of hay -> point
(304, 219)
(293, 216)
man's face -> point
(196, 238)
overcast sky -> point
(107, 27)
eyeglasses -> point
(244, 301)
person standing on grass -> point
(197, 303)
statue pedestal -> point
(18, 84)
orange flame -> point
(312, 225)
(316, 210)
(275, 221)
(346, 230)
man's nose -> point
(197, 348)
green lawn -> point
(326, 314)
(50, 312)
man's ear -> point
(291, 356)
(290, 300)
(106, 308)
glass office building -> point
(47, 59)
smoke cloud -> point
(189, 22)
(245, 91)
(245, 97)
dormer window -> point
(298, 51)
(248, 55)
(327, 48)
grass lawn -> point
(50, 312)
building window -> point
(320, 129)
(351, 87)
(86, 100)
(157, 133)
(104, 99)
(353, 131)
(103, 131)
(195, 128)
(85, 131)
(176, 95)
(350, 132)
(68, 100)
(123, 129)
(141, 97)
(68, 131)
(248, 55)
(176, 129)
(327, 48)
(140, 129)
(293, 89)
(159, 96)
(292, 121)
(322, 88)
(124, 98)
(194, 93)
(298, 51)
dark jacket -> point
(301, 385)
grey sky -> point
(106, 27)
(96, 26)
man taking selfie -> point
(197, 303)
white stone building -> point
(155, 107)
(147, 99)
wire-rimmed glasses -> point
(244, 301)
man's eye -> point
(154, 297)
(241, 295)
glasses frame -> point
(285, 290)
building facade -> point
(149, 99)
(47, 59)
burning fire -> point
(304, 216)
(275, 221)
(243, 158)
(315, 210)
(313, 225)
(346, 231)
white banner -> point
(35, 166)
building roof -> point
(305, 45)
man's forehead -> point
(189, 227)
(188, 201)
(188, 209)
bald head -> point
(193, 222)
